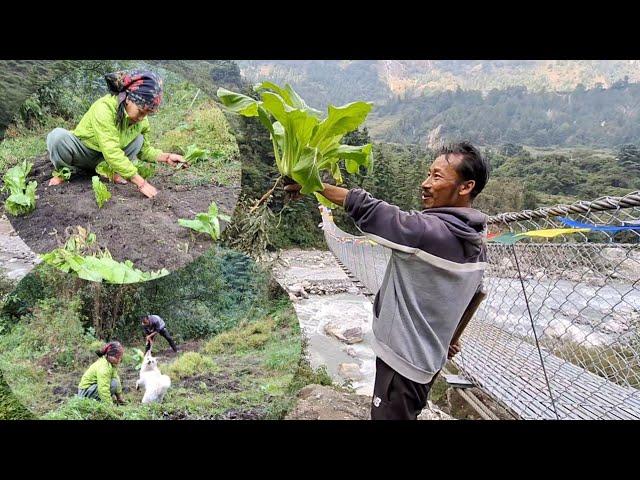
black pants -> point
(166, 335)
(396, 397)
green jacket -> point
(98, 131)
(101, 372)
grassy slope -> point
(252, 370)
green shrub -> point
(190, 364)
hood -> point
(467, 224)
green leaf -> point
(288, 94)
(336, 173)
(104, 169)
(16, 177)
(194, 154)
(306, 172)
(263, 116)
(196, 225)
(322, 200)
(238, 103)
(97, 268)
(341, 120)
(64, 173)
(355, 156)
(100, 190)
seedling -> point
(208, 222)
(100, 190)
(64, 173)
(22, 198)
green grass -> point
(181, 121)
(23, 144)
(86, 409)
(10, 406)
(191, 364)
(246, 338)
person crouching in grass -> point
(101, 380)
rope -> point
(533, 327)
(605, 203)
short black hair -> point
(474, 165)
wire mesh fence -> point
(558, 334)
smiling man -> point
(436, 268)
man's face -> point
(443, 187)
(145, 321)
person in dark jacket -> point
(436, 269)
(153, 325)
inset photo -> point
(125, 163)
(216, 340)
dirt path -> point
(16, 258)
(132, 227)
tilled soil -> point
(131, 226)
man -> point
(153, 325)
(436, 268)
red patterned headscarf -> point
(142, 87)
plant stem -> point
(194, 99)
(265, 196)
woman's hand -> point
(145, 187)
(173, 159)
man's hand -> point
(293, 191)
(145, 187)
(120, 400)
(454, 349)
(174, 160)
(332, 193)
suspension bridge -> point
(557, 336)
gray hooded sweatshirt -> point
(437, 263)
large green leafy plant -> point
(81, 255)
(22, 198)
(304, 143)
